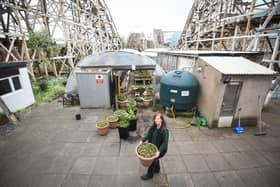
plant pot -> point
(102, 130)
(123, 132)
(147, 102)
(146, 161)
(113, 122)
(122, 104)
(78, 116)
(132, 125)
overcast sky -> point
(145, 15)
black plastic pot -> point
(78, 116)
(132, 125)
(123, 132)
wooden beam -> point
(12, 118)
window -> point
(5, 87)
(16, 83)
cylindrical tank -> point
(178, 89)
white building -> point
(15, 86)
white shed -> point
(15, 86)
(227, 84)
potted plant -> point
(146, 152)
(102, 127)
(147, 100)
(113, 121)
(123, 126)
(132, 116)
(140, 88)
(119, 112)
(122, 100)
(149, 90)
(132, 106)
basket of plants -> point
(146, 152)
(102, 127)
(113, 121)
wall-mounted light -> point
(199, 69)
(226, 79)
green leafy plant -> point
(138, 99)
(124, 120)
(102, 124)
(54, 89)
(43, 85)
(131, 115)
(113, 118)
(147, 150)
(39, 40)
(132, 105)
(119, 112)
(122, 97)
(42, 41)
(147, 98)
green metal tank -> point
(178, 89)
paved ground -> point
(51, 149)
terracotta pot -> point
(102, 130)
(122, 104)
(113, 124)
(146, 162)
(147, 103)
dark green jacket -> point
(160, 141)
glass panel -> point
(16, 83)
(5, 87)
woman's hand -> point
(157, 154)
(139, 143)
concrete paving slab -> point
(258, 161)
(83, 165)
(229, 179)
(204, 179)
(61, 164)
(173, 164)
(92, 149)
(110, 149)
(216, 162)
(128, 148)
(172, 149)
(180, 136)
(241, 145)
(224, 146)
(48, 180)
(271, 175)
(76, 180)
(187, 147)
(113, 136)
(251, 177)
(72, 150)
(205, 147)
(160, 179)
(195, 163)
(108, 165)
(272, 156)
(103, 180)
(128, 165)
(180, 180)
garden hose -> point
(177, 125)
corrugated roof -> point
(237, 66)
(210, 53)
(123, 59)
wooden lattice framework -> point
(234, 25)
(82, 26)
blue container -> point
(178, 89)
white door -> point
(229, 103)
